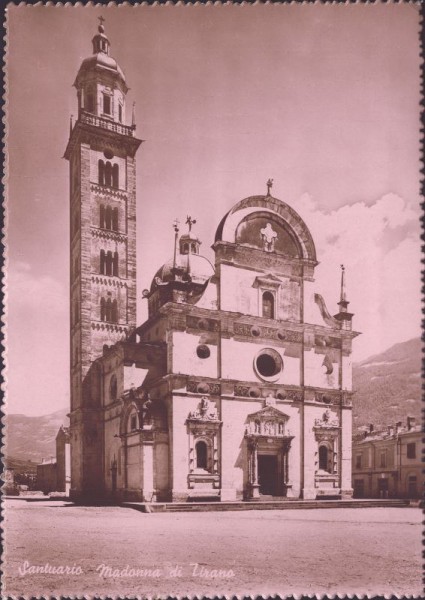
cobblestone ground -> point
(346, 551)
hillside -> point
(388, 385)
(20, 466)
(33, 438)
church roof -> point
(102, 61)
(298, 239)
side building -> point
(54, 474)
(387, 463)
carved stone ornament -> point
(328, 397)
(269, 400)
(203, 387)
(248, 330)
(326, 421)
(267, 422)
(206, 411)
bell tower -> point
(101, 153)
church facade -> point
(238, 385)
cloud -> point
(379, 245)
(27, 290)
(37, 358)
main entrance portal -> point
(267, 446)
(268, 474)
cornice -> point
(84, 133)
(107, 234)
(109, 281)
(107, 191)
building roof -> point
(391, 432)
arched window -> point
(108, 174)
(115, 219)
(108, 263)
(102, 262)
(115, 176)
(193, 248)
(201, 455)
(102, 309)
(133, 422)
(113, 388)
(268, 305)
(115, 265)
(102, 216)
(114, 312)
(108, 310)
(101, 168)
(323, 458)
(108, 218)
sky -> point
(324, 99)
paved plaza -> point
(54, 548)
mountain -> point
(387, 389)
(388, 386)
(20, 466)
(33, 438)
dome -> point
(189, 267)
(256, 218)
(102, 60)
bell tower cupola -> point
(100, 82)
(100, 41)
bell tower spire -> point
(343, 302)
(343, 315)
(100, 41)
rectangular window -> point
(383, 462)
(120, 113)
(106, 104)
(358, 461)
(411, 450)
(90, 103)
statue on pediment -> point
(206, 411)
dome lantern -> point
(100, 41)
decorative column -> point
(255, 486)
(288, 485)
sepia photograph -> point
(212, 278)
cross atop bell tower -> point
(101, 153)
